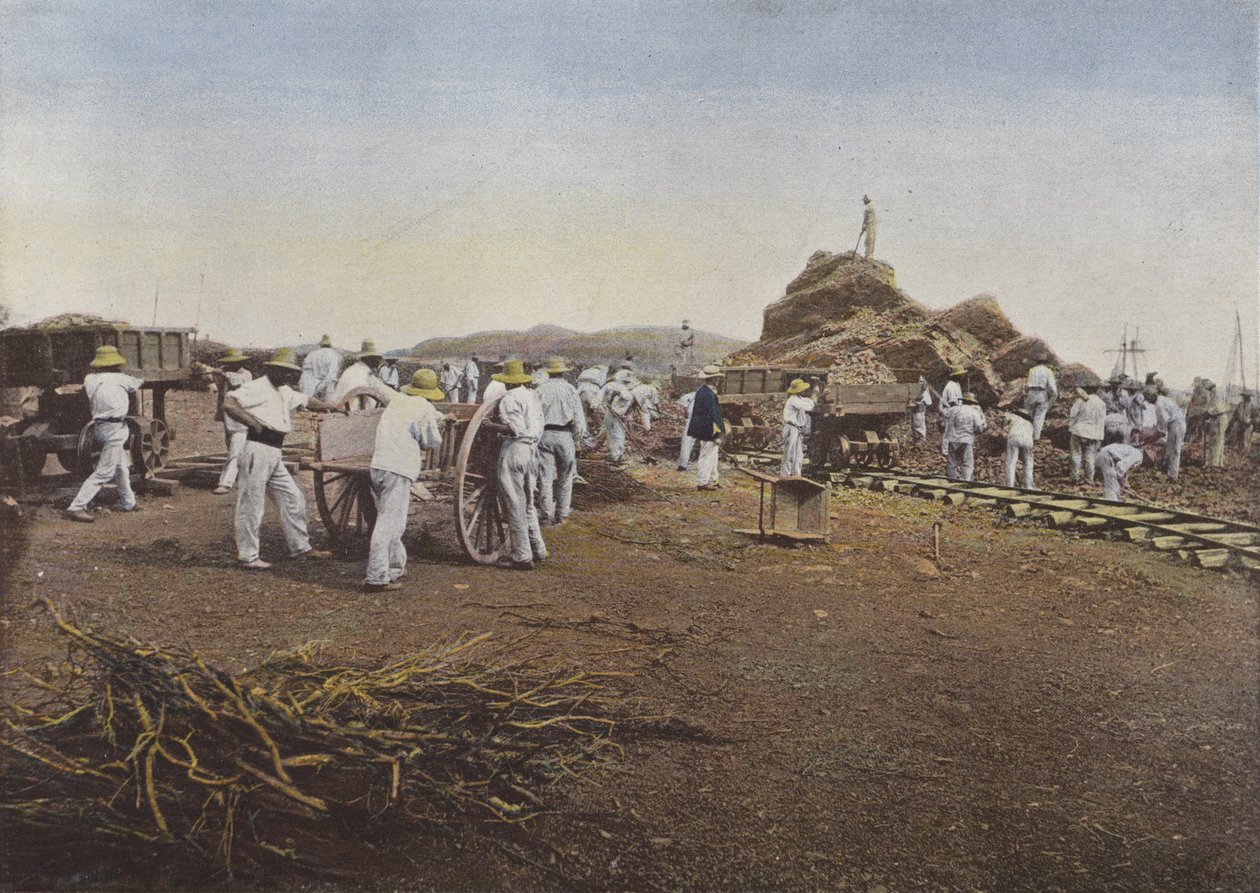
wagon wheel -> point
(81, 459)
(360, 399)
(150, 442)
(889, 452)
(346, 506)
(480, 516)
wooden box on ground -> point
(799, 509)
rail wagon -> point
(852, 423)
(54, 360)
(462, 471)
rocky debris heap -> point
(74, 320)
(847, 313)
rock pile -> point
(846, 313)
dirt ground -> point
(1037, 711)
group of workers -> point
(1108, 426)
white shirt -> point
(235, 379)
(648, 397)
(323, 363)
(471, 372)
(271, 405)
(359, 375)
(494, 389)
(408, 425)
(796, 412)
(1041, 377)
(389, 374)
(616, 397)
(1166, 412)
(951, 395)
(450, 378)
(521, 411)
(1124, 457)
(561, 405)
(109, 393)
(924, 400)
(1088, 418)
(1019, 431)
(965, 422)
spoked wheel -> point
(889, 452)
(360, 399)
(346, 507)
(480, 516)
(81, 460)
(150, 442)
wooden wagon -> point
(461, 471)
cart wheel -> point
(360, 399)
(889, 452)
(81, 460)
(346, 507)
(480, 516)
(150, 442)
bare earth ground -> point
(1037, 712)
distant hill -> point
(651, 346)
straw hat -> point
(513, 373)
(556, 366)
(957, 372)
(107, 355)
(798, 386)
(369, 349)
(711, 371)
(326, 341)
(284, 359)
(234, 355)
(970, 398)
(424, 383)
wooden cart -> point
(462, 471)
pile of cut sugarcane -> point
(148, 748)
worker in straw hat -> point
(408, 426)
(361, 375)
(266, 406)
(520, 418)
(320, 370)
(230, 376)
(109, 393)
(965, 422)
(1019, 446)
(706, 427)
(796, 426)
(497, 388)
(564, 427)
(951, 399)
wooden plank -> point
(795, 535)
(1167, 543)
(1211, 557)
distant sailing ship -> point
(1131, 359)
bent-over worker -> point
(617, 399)
(1114, 462)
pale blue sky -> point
(404, 170)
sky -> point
(273, 171)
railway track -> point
(1198, 539)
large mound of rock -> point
(846, 312)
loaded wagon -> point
(461, 472)
(54, 361)
(851, 424)
(752, 399)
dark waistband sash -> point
(268, 436)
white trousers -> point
(555, 482)
(471, 387)
(518, 480)
(961, 462)
(1173, 443)
(647, 419)
(615, 427)
(1037, 404)
(945, 430)
(113, 467)
(1017, 453)
(793, 452)
(235, 441)
(685, 449)
(918, 425)
(387, 557)
(1083, 450)
(1113, 482)
(707, 463)
(263, 473)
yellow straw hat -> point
(798, 386)
(369, 349)
(107, 355)
(957, 372)
(711, 371)
(424, 383)
(556, 366)
(970, 398)
(234, 355)
(514, 373)
(326, 341)
(285, 359)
